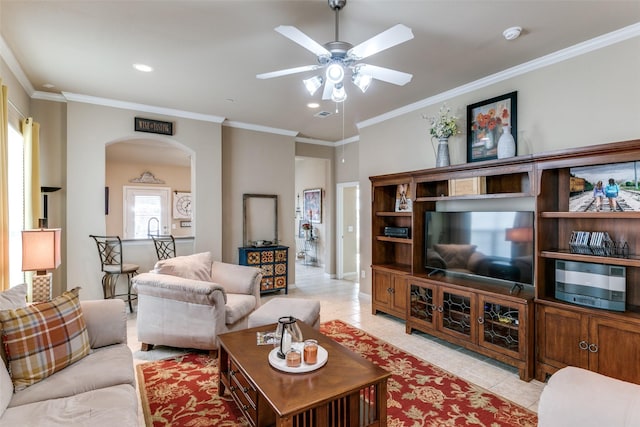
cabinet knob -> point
(245, 389)
(593, 348)
(232, 388)
(389, 290)
(481, 320)
(440, 309)
(583, 345)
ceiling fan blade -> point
(295, 35)
(385, 74)
(328, 90)
(288, 71)
(386, 39)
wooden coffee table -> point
(348, 391)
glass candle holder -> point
(294, 358)
(310, 352)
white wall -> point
(590, 99)
(89, 128)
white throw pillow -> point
(15, 297)
(195, 267)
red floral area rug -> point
(183, 391)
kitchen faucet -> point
(157, 230)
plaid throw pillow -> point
(44, 338)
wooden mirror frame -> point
(245, 200)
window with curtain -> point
(15, 172)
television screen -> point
(495, 245)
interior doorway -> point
(348, 231)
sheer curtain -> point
(4, 189)
(32, 198)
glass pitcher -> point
(287, 333)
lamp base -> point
(41, 287)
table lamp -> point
(41, 252)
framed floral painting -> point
(313, 205)
(485, 121)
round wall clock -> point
(182, 205)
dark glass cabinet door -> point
(457, 310)
(500, 326)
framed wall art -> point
(485, 121)
(313, 205)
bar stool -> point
(165, 246)
(110, 252)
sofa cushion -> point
(455, 255)
(44, 338)
(104, 367)
(6, 387)
(15, 297)
(111, 406)
(238, 306)
(236, 279)
(195, 267)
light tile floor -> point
(341, 299)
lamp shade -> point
(41, 249)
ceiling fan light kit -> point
(338, 57)
(313, 84)
(338, 94)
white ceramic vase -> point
(442, 157)
(506, 143)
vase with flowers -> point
(443, 126)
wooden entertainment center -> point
(528, 328)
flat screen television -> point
(492, 245)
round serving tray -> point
(281, 364)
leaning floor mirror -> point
(260, 222)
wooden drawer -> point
(246, 386)
(244, 393)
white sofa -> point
(98, 390)
(578, 397)
(187, 301)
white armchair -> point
(187, 301)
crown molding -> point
(259, 128)
(582, 48)
(86, 99)
(346, 141)
(315, 141)
(48, 96)
(7, 54)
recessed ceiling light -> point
(313, 105)
(143, 67)
(512, 33)
(48, 86)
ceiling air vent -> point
(322, 114)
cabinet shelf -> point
(394, 239)
(472, 197)
(392, 214)
(631, 261)
(591, 215)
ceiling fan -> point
(338, 57)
